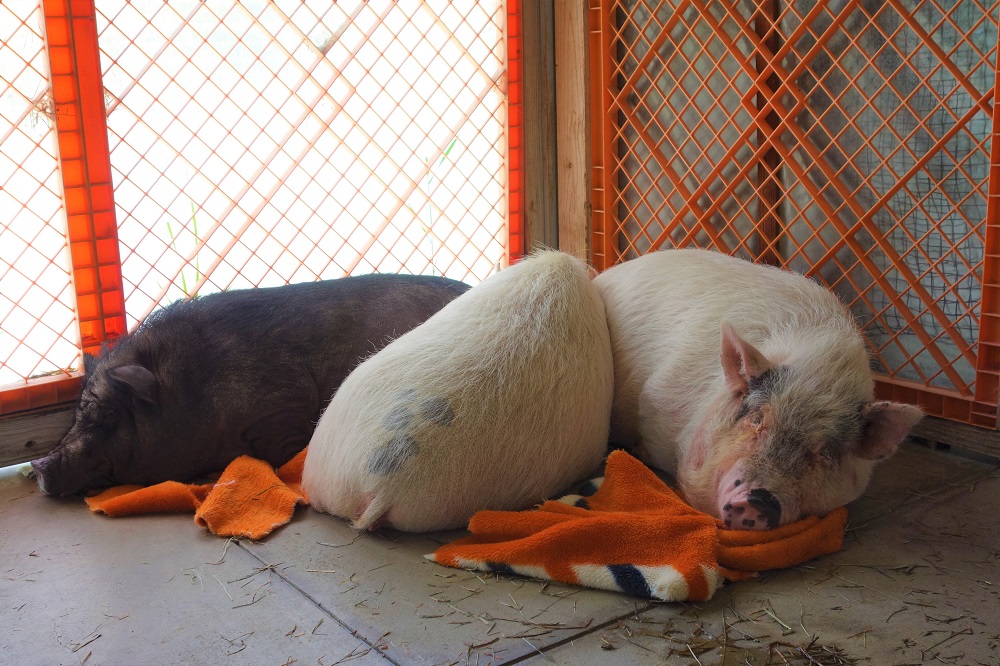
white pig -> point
(750, 384)
(500, 400)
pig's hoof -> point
(390, 458)
(379, 523)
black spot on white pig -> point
(498, 401)
(202, 382)
(750, 384)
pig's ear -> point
(886, 426)
(741, 361)
(136, 385)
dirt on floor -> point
(916, 582)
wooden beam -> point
(961, 435)
(31, 435)
(540, 125)
(572, 127)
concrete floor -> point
(917, 582)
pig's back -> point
(330, 325)
(665, 311)
(262, 363)
(521, 365)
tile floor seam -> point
(541, 652)
(354, 632)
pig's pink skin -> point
(732, 495)
(706, 458)
(735, 496)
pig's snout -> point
(54, 478)
(42, 474)
(743, 507)
(758, 510)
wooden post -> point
(769, 192)
(572, 127)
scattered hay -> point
(814, 654)
(87, 641)
(357, 652)
(340, 545)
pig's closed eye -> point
(825, 458)
(108, 418)
(756, 419)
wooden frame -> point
(30, 435)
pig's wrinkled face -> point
(791, 461)
(99, 450)
(785, 442)
(83, 459)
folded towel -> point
(250, 499)
(629, 532)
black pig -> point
(202, 382)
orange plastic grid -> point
(266, 232)
(78, 107)
(516, 241)
(851, 143)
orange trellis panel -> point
(71, 37)
(516, 237)
(851, 142)
(71, 34)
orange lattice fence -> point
(61, 282)
(849, 141)
(213, 146)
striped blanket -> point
(629, 532)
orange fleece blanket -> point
(251, 499)
(633, 534)
(630, 533)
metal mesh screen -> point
(849, 141)
(259, 143)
